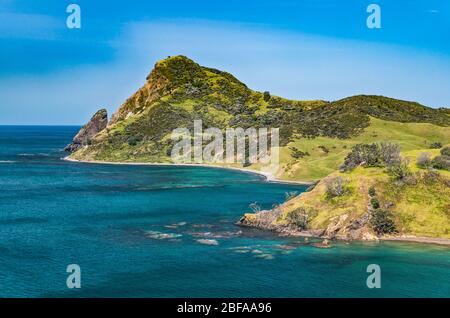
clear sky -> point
(311, 49)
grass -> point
(410, 137)
(420, 209)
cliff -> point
(95, 125)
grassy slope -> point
(422, 209)
(410, 136)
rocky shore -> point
(265, 220)
(96, 124)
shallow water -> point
(143, 231)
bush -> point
(382, 222)
(266, 96)
(372, 191)
(297, 154)
(445, 151)
(431, 176)
(436, 145)
(441, 162)
(361, 154)
(372, 155)
(390, 153)
(375, 203)
(335, 187)
(134, 140)
(400, 171)
(424, 160)
(299, 218)
(324, 149)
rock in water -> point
(97, 123)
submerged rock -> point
(160, 235)
(208, 242)
(324, 244)
(97, 123)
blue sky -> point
(312, 49)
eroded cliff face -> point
(96, 124)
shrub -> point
(445, 151)
(390, 153)
(441, 162)
(382, 222)
(436, 145)
(266, 96)
(424, 160)
(372, 191)
(375, 203)
(299, 218)
(297, 154)
(362, 154)
(134, 140)
(324, 149)
(431, 176)
(372, 155)
(400, 171)
(335, 187)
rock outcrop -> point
(97, 123)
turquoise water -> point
(134, 232)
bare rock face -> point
(97, 123)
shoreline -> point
(268, 177)
(419, 239)
(314, 234)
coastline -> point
(316, 234)
(419, 239)
(267, 176)
(270, 178)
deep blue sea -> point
(141, 231)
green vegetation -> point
(382, 222)
(336, 187)
(436, 145)
(299, 218)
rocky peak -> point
(167, 75)
(96, 124)
(177, 75)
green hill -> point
(178, 90)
